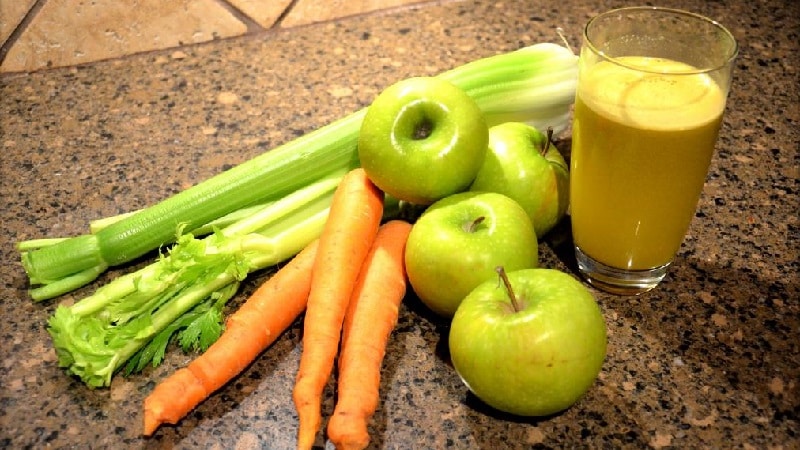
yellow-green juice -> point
(642, 144)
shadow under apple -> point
(477, 405)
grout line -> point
(282, 16)
(21, 27)
(249, 22)
(418, 4)
(255, 30)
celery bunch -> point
(130, 321)
(261, 212)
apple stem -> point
(474, 224)
(423, 129)
(502, 272)
(548, 141)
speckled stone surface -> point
(710, 359)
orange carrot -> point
(352, 225)
(268, 312)
(371, 316)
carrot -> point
(353, 221)
(268, 312)
(371, 316)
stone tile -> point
(264, 12)
(11, 14)
(70, 32)
(310, 11)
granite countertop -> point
(711, 358)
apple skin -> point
(514, 166)
(422, 139)
(445, 260)
(534, 362)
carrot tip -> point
(151, 422)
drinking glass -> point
(652, 87)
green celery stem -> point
(66, 284)
(46, 266)
(291, 166)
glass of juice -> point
(652, 86)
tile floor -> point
(42, 34)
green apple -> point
(523, 164)
(422, 139)
(459, 240)
(530, 344)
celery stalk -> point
(535, 84)
(33, 244)
(129, 322)
(98, 224)
(270, 176)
